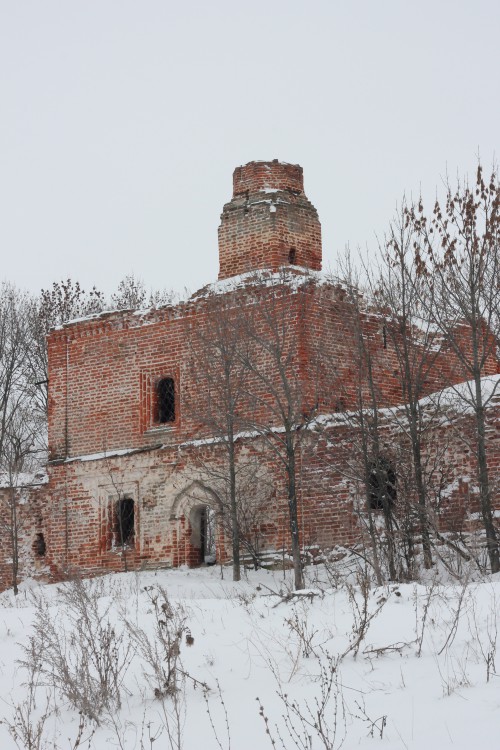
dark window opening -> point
(39, 546)
(382, 485)
(384, 336)
(165, 392)
(340, 404)
(292, 256)
(125, 519)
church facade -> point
(138, 417)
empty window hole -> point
(39, 546)
(125, 520)
(165, 392)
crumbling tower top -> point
(264, 175)
(269, 222)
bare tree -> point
(368, 460)
(405, 300)
(132, 294)
(24, 323)
(382, 450)
(457, 253)
(66, 300)
(19, 427)
(217, 368)
(282, 397)
(19, 460)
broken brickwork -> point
(269, 223)
(23, 510)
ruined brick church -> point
(132, 467)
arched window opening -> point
(125, 521)
(165, 393)
(292, 256)
(382, 484)
(39, 546)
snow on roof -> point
(243, 435)
(124, 311)
(294, 277)
(85, 318)
(458, 399)
(462, 396)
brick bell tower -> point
(269, 222)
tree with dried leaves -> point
(367, 460)
(64, 301)
(405, 299)
(457, 255)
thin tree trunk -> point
(293, 513)
(14, 541)
(420, 486)
(235, 536)
(484, 486)
(482, 462)
(371, 526)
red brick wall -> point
(102, 372)
(331, 499)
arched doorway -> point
(203, 527)
(194, 511)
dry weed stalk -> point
(361, 612)
(226, 719)
(321, 723)
(160, 651)
(485, 637)
(81, 655)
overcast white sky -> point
(121, 122)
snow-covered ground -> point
(403, 666)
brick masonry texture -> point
(105, 442)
